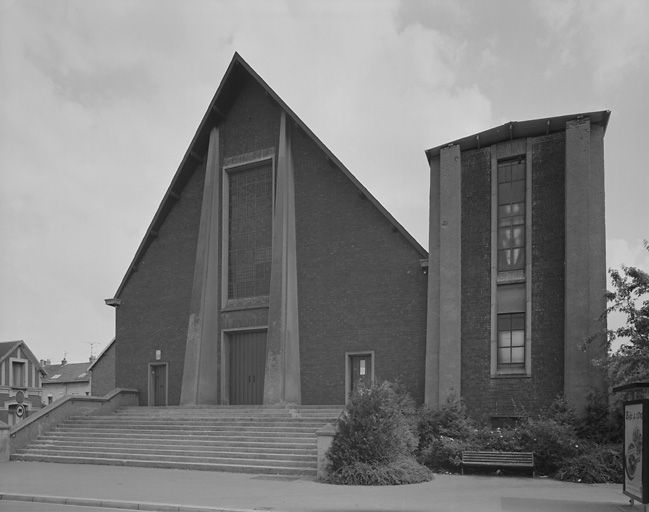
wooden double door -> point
(247, 367)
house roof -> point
(69, 372)
(519, 129)
(237, 73)
(102, 354)
(8, 347)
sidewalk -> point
(158, 489)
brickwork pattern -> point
(509, 396)
(154, 308)
(360, 284)
(102, 379)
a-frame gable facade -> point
(268, 271)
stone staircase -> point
(272, 440)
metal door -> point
(158, 384)
(247, 367)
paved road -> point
(231, 491)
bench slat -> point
(498, 459)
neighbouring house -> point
(66, 379)
(20, 382)
(270, 275)
(102, 371)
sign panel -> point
(635, 452)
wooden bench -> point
(515, 460)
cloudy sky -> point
(99, 101)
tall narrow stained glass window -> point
(250, 216)
(511, 214)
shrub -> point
(444, 454)
(449, 420)
(599, 422)
(401, 471)
(500, 439)
(598, 464)
(374, 439)
(551, 443)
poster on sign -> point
(636, 474)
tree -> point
(631, 298)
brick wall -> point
(102, 379)
(476, 279)
(360, 285)
(508, 396)
(154, 306)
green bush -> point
(449, 420)
(551, 443)
(444, 454)
(600, 423)
(500, 439)
(375, 439)
(597, 464)
(401, 471)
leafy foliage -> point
(565, 444)
(375, 441)
(631, 298)
(596, 464)
(400, 471)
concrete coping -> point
(33, 418)
(326, 430)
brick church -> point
(270, 275)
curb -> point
(117, 504)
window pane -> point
(518, 338)
(504, 339)
(504, 173)
(505, 193)
(517, 191)
(511, 299)
(518, 355)
(504, 356)
(518, 322)
(504, 323)
(518, 170)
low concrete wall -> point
(325, 437)
(49, 417)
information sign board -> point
(636, 451)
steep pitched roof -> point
(106, 349)
(238, 71)
(8, 347)
(519, 129)
(69, 372)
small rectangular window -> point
(19, 374)
(511, 340)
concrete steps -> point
(275, 440)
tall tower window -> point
(511, 326)
(511, 215)
(250, 214)
(511, 271)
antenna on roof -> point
(92, 346)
